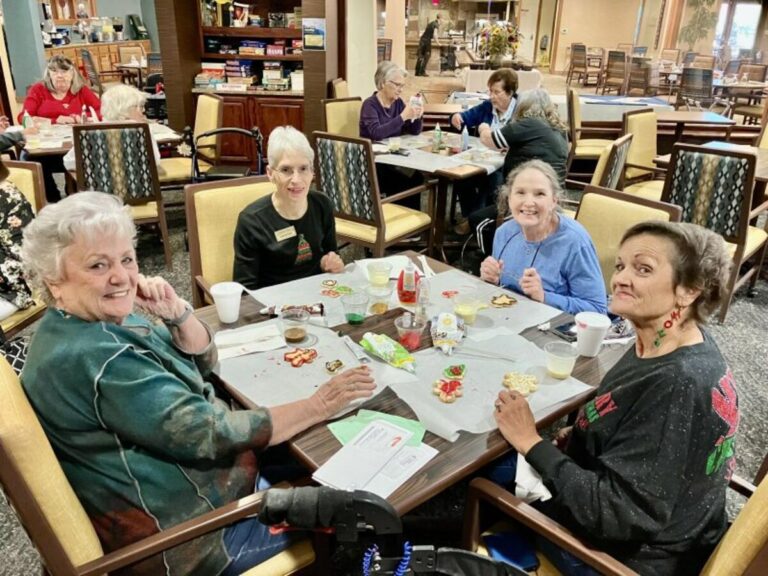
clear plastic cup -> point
(226, 296)
(379, 298)
(466, 307)
(409, 329)
(355, 306)
(378, 273)
(561, 358)
(295, 322)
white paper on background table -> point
(482, 383)
(248, 339)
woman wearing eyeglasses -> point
(291, 233)
(384, 114)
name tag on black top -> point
(285, 233)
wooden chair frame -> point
(380, 244)
(201, 294)
(747, 213)
(339, 88)
(94, 75)
(156, 197)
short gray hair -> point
(59, 225)
(286, 138)
(536, 103)
(118, 100)
(541, 166)
(385, 71)
(59, 62)
(700, 262)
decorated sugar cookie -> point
(447, 390)
(329, 283)
(300, 356)
(455, 372)
(503, 301)
(330, 293)
(450, 293)
(334, 366)
(522, 383)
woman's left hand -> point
(332, 263)
(531, 285)
(66, 120)
(155, 296)
(516, 421)
(484, 131)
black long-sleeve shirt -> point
(270, 249)
(645, 471)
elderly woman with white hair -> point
(120, 103)
(291, 233)
(139, 432)
(384, 114)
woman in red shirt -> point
(61, 95)
(60, 98)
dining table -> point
(682, 118)
(449, 165)
(457, 457)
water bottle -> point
(437, 138)
(84, 114)
(26, 120)
(416, 101)
(422, 300)
(464, 138)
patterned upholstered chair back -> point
(713, 187)
(610, 166)
(346, 174)
(118, 159)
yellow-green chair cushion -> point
(296, 557)
(25, 182)
(399, 220)
(650, 189)
(27, 446)
(148, 210)
(179, 169)
(217, 210)
(590, 148)
(755, 238)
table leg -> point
(444, 191)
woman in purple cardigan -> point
(384, 113)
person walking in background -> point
(425, 45)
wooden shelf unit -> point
(251, 32)
(286, 57)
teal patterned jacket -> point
(139, 433)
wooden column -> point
(178, 27)
(319, 67)
(395, 29)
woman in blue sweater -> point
(548, 257)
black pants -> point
(423, 55)
(393, 180)
(50, 165)
(478, 192)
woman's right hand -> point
(65, 120)
(561, 438)
(456, 121)
(490, 270)
(340, 390)
(410, 113)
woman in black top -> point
(290, 234)
(535, 133)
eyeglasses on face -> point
(396, 85)
(289, 171)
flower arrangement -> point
(498, 40)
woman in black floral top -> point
(15, 214)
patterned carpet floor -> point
(743, 340)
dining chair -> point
(347, 175)
(695, 87)
(342, 116)
(580, 65)
(581, 148)
(607, 214)
(95, 77)
(212, 210)
(58, 526)
(643, 76)
(762, 138)
(615, 76)
(751, 108)
(689, 57)
(117, 158)
(639, 50)
(625, 47)
(640, 171)
(703, 61)
(154, 63)
(670, 55)
(209, 115)
(714, 188)
(339, 88)
(742, 551)
(732, 67)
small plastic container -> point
(561, 358)
(355, 307)
(379, 298)
(409, 329)
(295, 322)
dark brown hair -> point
(700, 262)
(508, 79)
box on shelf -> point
(297, 81)
(226, 87)
(281, 84)
(275, 50)
(245, 80)
(277, 19)
(213, 69)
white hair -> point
(284, 139)
(89, 215)
(385, 71)
(117, 102)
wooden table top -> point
(692, 117)
(455, 460)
